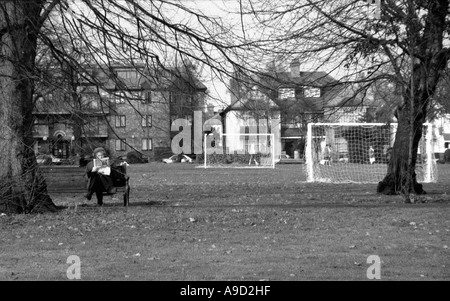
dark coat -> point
(96, 181)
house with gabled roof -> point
(299, 97)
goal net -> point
(239, 150)
(360, 152)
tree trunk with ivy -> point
(22, 187)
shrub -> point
(135, 157)
(447, 156)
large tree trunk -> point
(22, 187)
(401, 174)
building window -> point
(92, 126)
(120, 121)
(176, 102)
(285, 93)
(146, 144)
(120, 145)
(146, 121)
(147, 97)
(119, 97)
(311, 92)
(130, 75)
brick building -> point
(122, 108)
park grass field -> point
(188, 223)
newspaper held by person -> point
(104, 165)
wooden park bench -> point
(67, 179)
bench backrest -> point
(64, 178)
(68, 179)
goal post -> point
(239, 150)
(360, 152)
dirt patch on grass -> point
(186, 223)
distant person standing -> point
(371, 155)
(252, 152)
(327, 155)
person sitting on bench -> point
(98, 182)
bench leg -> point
(126, 196)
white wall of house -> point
(441, 133)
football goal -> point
(360, 152)
(239, 150)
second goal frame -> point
(365, 147)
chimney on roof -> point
(295, 68)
